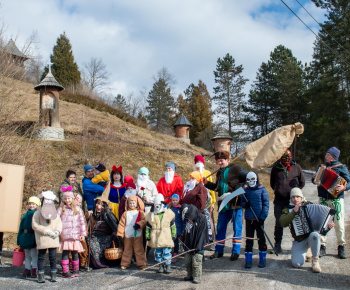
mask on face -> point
(158, 205)
(286, 157)
(251, 179)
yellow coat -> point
(103, 176)
(211, 192)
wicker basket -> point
(113, 253)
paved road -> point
(217, 274)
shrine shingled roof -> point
(49, 81)
(222, 134)
(183, 121)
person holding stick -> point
(229, 177)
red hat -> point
(130, 184)
(198, 158)
(128, 178)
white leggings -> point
(299, 249)
(31, 258)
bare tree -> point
(95, 74)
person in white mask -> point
(145, 188)
(171, 182)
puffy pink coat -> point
(73, 226)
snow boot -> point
(316, 268)
(161, 269)
(188, 265)
(322, 251)
(341, 252)
(262, 259)
(34, 273)
(75, 267)
(53, 275)
(167, 269)
(65, 269)
(25, 274)
(197, 261)
(41, 276)
(248, 259)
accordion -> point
(329, 179)
(313, 217)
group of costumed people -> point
(170, 216)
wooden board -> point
(11, 194)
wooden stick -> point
(240, 155)
(179, 256)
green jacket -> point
(286, 220)
(26, 237)
(79, 190)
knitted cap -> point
(296, 191)
(68, 194)
(144, 170)
(198, 158)
(171, 165)
(87, 167)
(34, 199)
(334, 151)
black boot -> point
(216, 255)
(322, 251)
(234, 257)
(278, 248)
(41, 277)
(341, 252)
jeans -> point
(250, 227)
(31, 258)
(299, 249)
(223, 220)
(52, 258)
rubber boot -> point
(75, 267)
(65, 269)
(197, 261)
(41, 276)
(54, 275)
(341, 252)
(25, 274)
(248, 259)
(316, 268)
(188, 265)
(262, 259)
(167, 269)
(161, 269)
(34, 273)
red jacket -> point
(169, 189)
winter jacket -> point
(236, 178)
(259, 201)
(108, 217)
(91, 191)
(161, 230)
(286, 220)
(150, 191)
(179, 222)
(343, 171)
(40, 224)
(282, 180)
(26, 237)
(73, 226)
(103, 176)
(76, 190)
(168, 190)
(197, 196)
(127, 222)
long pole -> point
(273, 248)
(178, 256)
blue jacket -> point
(343, 171)
(91, 191)
(179, 222)
(259, 200)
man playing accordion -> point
(303, 242)
(335, 201)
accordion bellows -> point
(329, 179)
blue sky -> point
(135, 38)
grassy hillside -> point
(91, 136)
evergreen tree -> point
(160, 105)
(64, 68)
(119, 103)
(228, 94)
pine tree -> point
(228, 94)
(64, 68)
(119, 103)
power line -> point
(330, 49)
(323, 27)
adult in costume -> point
(285, 175)
(301, 243)
(337, 203)
(118, 188)
(145, 188)
(229, 178)
(171, 182)
(91, 190)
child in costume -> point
(258, 201)
(73, 231)
(160, 231)
(195, 236)
(130, 228)
(47, 226)
(117, 191)
(26, 239)
(180, 224)
(101, 175)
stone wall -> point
(49, 133)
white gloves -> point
(55, 235)
(222, 197)
(49, 233)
